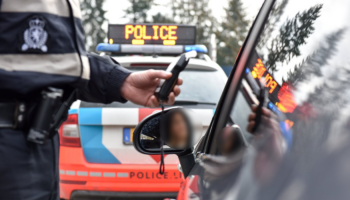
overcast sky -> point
(115, 8)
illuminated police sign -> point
(281, 97)
(139, 34)
(258, 71)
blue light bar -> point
(247, 71)
(150, 49)
(199, 48)
(108, 47)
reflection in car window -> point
(303, 54)
(240, 113)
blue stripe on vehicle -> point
(90, 116)
(73, 111)
(94, 150)
(214, 111)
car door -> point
(203, 181)
(300, 148)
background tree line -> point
(230, 32)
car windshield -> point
(301, 148)
(200, 89)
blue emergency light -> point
(150, 49)
(108, 47)
(199, 48)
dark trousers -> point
(28, 171)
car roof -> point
(195, 63)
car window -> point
(302, 58)
(203, 87)
(240, 113)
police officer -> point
(43, 68)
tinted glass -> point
(240, 113)
(301, 148)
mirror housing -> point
(151, 122)
(186, 156)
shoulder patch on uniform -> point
(35, 36)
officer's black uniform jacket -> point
(42, 44)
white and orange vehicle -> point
(97, 158)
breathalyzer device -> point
(263, 100)
(166, 86)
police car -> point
(97, 158)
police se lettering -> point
(155, 31)
(158, 176)
(259, 69)
(132, 174)
(273, 86)
(165, 175)
(172, 33)
(140, 175)
(147, 176)
(161, 32)
(138, 32)
(145, 36)
(129, 29)
(270, 83)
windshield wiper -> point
(192, 102)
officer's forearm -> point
(106, 79)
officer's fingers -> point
(179, 81)
(250, 126)
(254, 107)
(251, 117)
(273, 115)
(177, 90)
(153, 102)
(171, 99)
(154, 74)
(265, 111)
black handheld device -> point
(166, 86)
(262, 103)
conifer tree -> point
(93, 16)
(231, 33)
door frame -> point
(230, 91)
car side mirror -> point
(175, 127)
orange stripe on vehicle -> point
(132, 134)
(144, 112)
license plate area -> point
(128, 136)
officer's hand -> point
(269, 144)
(267, 119)
(139, 87)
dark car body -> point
(302, 150)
